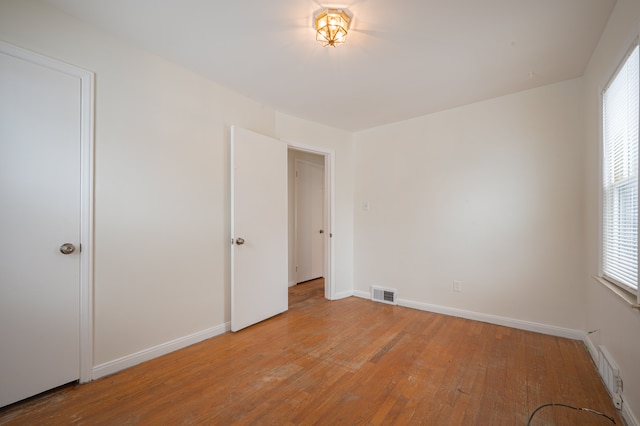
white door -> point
(40, 196)
(310, 231)
(259, 288)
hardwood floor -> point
(350, 361)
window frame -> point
(615, 285)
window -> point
(621, 115)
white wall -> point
(161, 182)
(161, 198)
(619, 325)
(489, 194)
(299, 131)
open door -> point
(259, 226)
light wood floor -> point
(344, 362)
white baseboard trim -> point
(342, 295)
(119, 364)
(628, 415)
(494, 319)
(592, 349)
(491, 319)
(362, 294)
(292, 283)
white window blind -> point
(620, 176)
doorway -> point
(310, 216)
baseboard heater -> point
(384, 295)
(610, 374)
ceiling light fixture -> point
(332, 26)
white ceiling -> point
(402, 59)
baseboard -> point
(342, 295)
(119, 364)
(626, 412)
(292, 283)
(628, 415)
(362, 294)
(491, 319)
(592, 349)
(497, 320)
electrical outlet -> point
(457, 286)
(617, 401)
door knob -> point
(67, 248)
(239, 241)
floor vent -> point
(610, 374)
(384, 295)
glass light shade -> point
(332, 26)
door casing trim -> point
(329, 211)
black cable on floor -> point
(589, 410)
